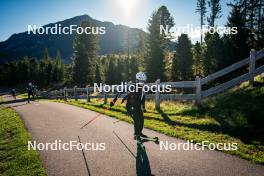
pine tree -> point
(120, 70)
(47, 68)
(42, 73)
(46, 54)
(154, 60)
(142, 50)
(155, 66)
(198, 54)
(58, 68)
(33, 70)
(48, 71)
(236, 45)
(213, 58)
(11, 73)
(85, 53)
(134, 66)
(182, 61)
(201, 9)
(111, 71)
(98, 78)
(127, 71)
(165, 20)
(23, 71)
(215, 11)
(252, 12)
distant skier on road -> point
(13, 93)
(30, 91)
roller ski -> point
(145, 137)
(154, 139)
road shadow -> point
(142, 161)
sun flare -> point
(126, 6)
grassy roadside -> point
(236, 116)
(15, 158)
(23, 95)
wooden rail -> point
(88, 92)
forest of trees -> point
(42, 72)
(211, 53)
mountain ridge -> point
(22, 44)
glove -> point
(111, 104)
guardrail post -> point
(75, 93)
(104, 95)
(198, 92)
(65, 93)
(252, 60)
(87, 94)
(157, 95)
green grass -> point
(15, 158)
(23, 95)
(235, 116)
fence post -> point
(75, 93)
(87, 94)
(57, 94)
(104, 95)
(65, 93)
(198, 93)
(61, 94)
(252, 60)
(157, 95)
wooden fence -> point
(88, 92)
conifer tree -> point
(58, 68)
(182, 61)
(215, 11)
(201, 9)
(155, 66)
(98, 78)
(134, 66)
(85, 53)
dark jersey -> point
(13, 92)
(30, 89)
(135, 100)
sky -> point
(16, 15)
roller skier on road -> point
(135, 105)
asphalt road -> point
(49, 121)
